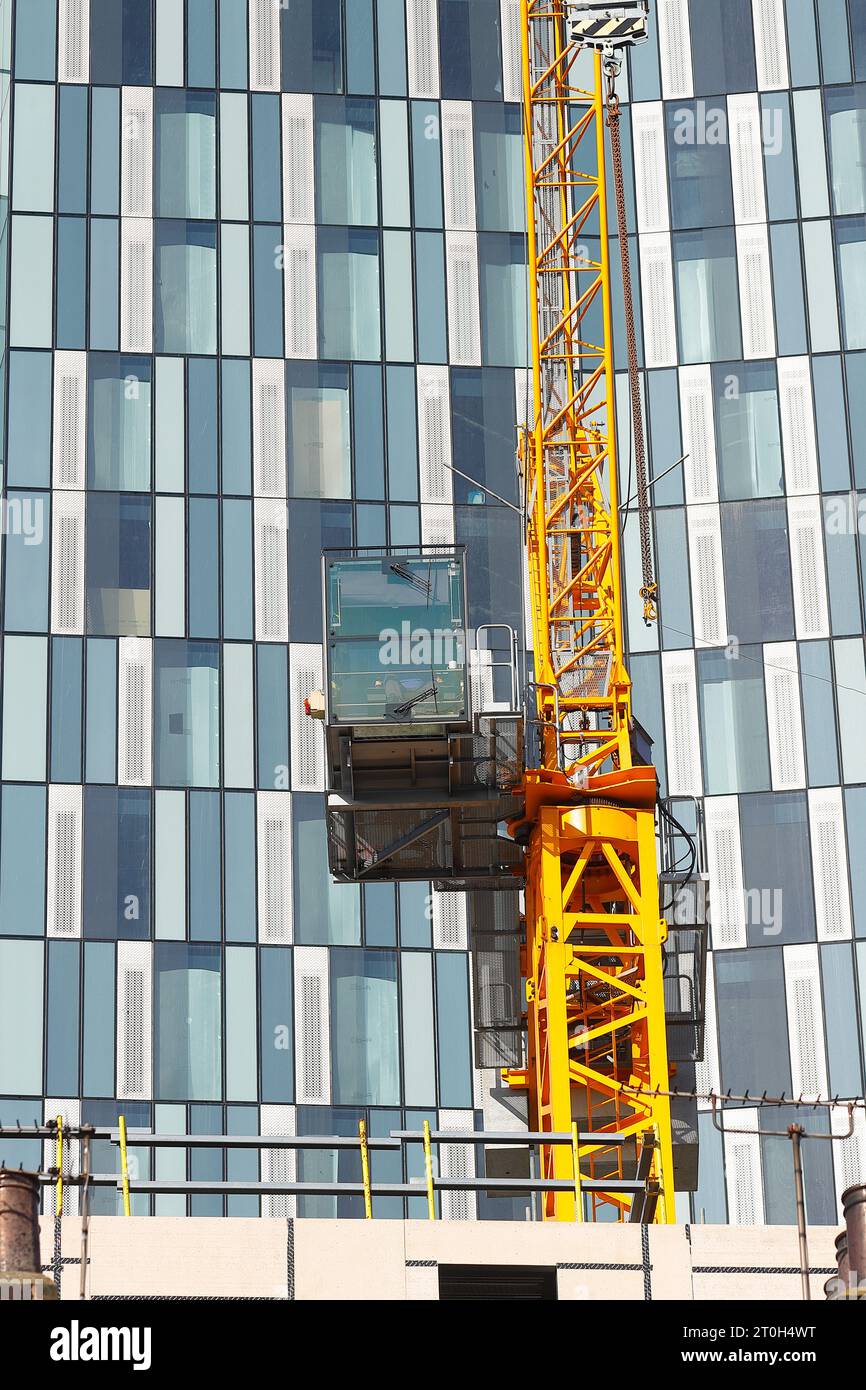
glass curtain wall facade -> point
(266, 277)
(748, 189)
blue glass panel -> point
(35, 30)
(72, 158)
(63, 1013)
(275, 1020)
(101, 716)
(117, 850)
(99, 1032)
(105, 151)
(66, 670)
(312, 46)
(204, 866)
(188, 1031)
(71, 282)
(29, 419)
(200, 43)
(236, 427)
(202, 425)
(22, 861)
(453, 1028)
(366, 1055)
(26, 517)
(240, 866)
(237, 585)
(233, 43)
(186, 713)
(265, 145)
(267, 291)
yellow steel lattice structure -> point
(593, 964)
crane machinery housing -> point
(440, 766)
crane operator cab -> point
(600, 25)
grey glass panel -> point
(734, 722)
(22, 861)
(365, 1030)
(673, 578)
(499, 171)
(647, 703)
(70, 330)
(104, 280)
(204, 866)
(851, 257)
(346, 188)
(709, 1203)
(840, 1016)
(503, 283)
(120, 42)
(63, 1013)
(430, 297)
(757, 571)
(237, 571)
(118, 575)
(117, 852)
(185, 287)
(748, 437)
(21, 1015)
(329, 1165)
(819, 722)
(29, 454)
(317, 400)
(188, 1032)
(391, 17)
(313, 527)
(233, 34)
(202, 425)
(779, 1197)
(200, 42)
(66, 670)
(753, 1026)
(242, 1165)
(840, 547)
(312, 46)
(721, 63)
(26, 522)
(186, 714)
(236, 427)
(469, 49)
(788, 289)
(829, 412)
(99, 1032)
(778, 143)
(483, 412)
(204, 586)
(240, 866)
(185, 154)
(452, 1019)
(35, 29)
(326, 913)
(855, 371)
(833, 30)
(490, 534)
(400, 410)
(105, 151)
(855, 810)
(426, 164)
(416, 914)
(368, 432)
(665, 437)
(267, 291)
(349, 294)
(380, 915)
(72, 160)
(777, 870)
(273, 716)
(404, 526)
(360, 59)
(372, 526)
(802, 43)
(699, 165)
(101, 716)
(705, 271)
(275, 1023)
(265, 146)
(119, 422)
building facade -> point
(265, 274)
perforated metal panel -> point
(464, 313)
(457, 1161)
(682, 739)
(265, 59)
(829, 864)
(134, 1020)
(458, 165)
(306, 673)
(707, 1073)
(747, 157)
(64, 861)
(73, 41)
(437, 525)
(299, 189)
(269, 427)
(849, 1154)
(657, 293)
(675, 49)
(271, 571)
(70, 1113)
(756, 292)
(771, 46)
(650, 166)
(312, 1012)
(706, 569)
(136, 284)
(69, 455)
(67, 563)
(699, 435)
(784, 716)
(299, 276)
(512, 68)
(422, 48)
(725, 868)
(806, 541)
(449, 921)
(805, 1021)
(136, 152)
(743, 1172)
(274, 855)
(278, 1165)
(434, 434)
(797, 412)
(134, 701)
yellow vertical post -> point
(575, 1158)
(365, 1170)
(58, 1206)
(428, 1172)
(124, 1166)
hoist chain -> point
(649, 589)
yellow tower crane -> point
(594, 933)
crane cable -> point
(649, 589)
